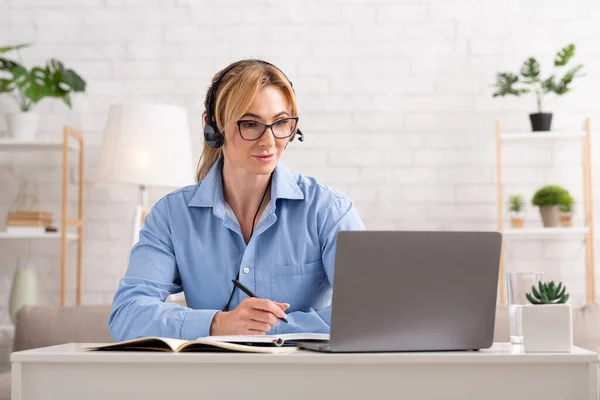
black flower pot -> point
(540, 121)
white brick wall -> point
(395, 102)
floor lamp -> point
(145, 145)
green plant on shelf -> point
(29, 86)
(566, 204)
(516, 203)
(530, 76)
(549, 195)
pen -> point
(249, 293)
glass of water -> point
(517, 285)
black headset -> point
(212, 136)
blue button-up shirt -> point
(191, 241)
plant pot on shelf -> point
(550, 216)
(565, 220)
(22, 125)
(540, 122)
(547, 328)
(517, 222)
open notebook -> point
(283, 343)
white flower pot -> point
(547, 328)
(22, 125)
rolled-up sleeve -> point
(139, 307)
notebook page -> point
(304, 336)
(275, 339)
(241, 338)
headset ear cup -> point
(220, 140)
(213, 138)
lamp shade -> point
(146, 145)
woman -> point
(248, 218)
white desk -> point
(67, 372)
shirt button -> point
(246, 270)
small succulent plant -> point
(548, 293)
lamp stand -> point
(140, 213)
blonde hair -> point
(234, 95)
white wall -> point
(395, 100)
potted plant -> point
(566, 210)
(547, 321)
(516, 205)
(530, 76)
(549, 198)
(29, 86)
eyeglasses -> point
(253, 130)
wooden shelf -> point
(534, 136)
(550, 233)
(72, 141)
(35, 145)
(584, 233)
(49, 235)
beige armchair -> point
(47, 326)
(41, 326)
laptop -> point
(397, 291)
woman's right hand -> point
(253, 316)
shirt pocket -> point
(302, 285)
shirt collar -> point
(209, 192)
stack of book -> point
(29, 222)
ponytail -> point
(207, 161)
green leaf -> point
(75, 81)
(6, 49)
(562, 292)
(36, 92)
(536, 293)
(20, 76)
(562, 86)
(541, 287)
(531, 70)
(549, 85)
(531, 299)
(564, 55)
(8, 65)
(6, 85)
(50, 80)
(505, 82)
(570, 74)
(545, 298)
(551, 291)
(564, 298)
(67, 99)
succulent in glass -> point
(548, 293)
